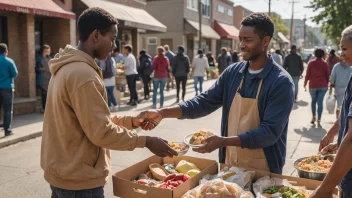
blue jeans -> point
(111, 96)
(295, 82)
(88, 193)
(6, 102)
(156, 82)
(199, 79)
(317, 97)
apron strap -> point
(259, 88)
(240, 86)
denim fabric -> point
(156, 82)
(111, 96)
(199, 79)
(317, 98)
(295, 81)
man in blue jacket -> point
(257, 96)
(8, 72)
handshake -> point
(148, 120)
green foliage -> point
(335, 15)
(279, 24)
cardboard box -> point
(296, 181)
(125, 188)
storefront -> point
(132, 21)
(229, 36)
(209, 38)
(25, 25)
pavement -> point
(22, 176)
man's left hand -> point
(137, 121)
(320, 193)
(212, 143)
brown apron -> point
(243, 117)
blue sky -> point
(282, 7)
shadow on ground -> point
(314, 133)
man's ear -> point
(267, 40)
(95, 35)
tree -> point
(335, 16)
(312, 39)
(279, 23)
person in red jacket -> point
(318, 77)
(161, 69)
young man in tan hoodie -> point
(78, 128)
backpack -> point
(107, 72)
(146, 67)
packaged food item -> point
(143, 179)
(170, 168)
(267, 187)
(174, 180)
(193, 172)
(183, 167)
(218, 188)
(158, 171)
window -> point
(221, 9)
(151, 45)
(206, 8)
(229, 12)
(192, 4)
(3, 30)
(151, 40)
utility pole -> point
(304, 31)
(291, 30)
(269, 7)
(200, 24)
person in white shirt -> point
(130, 67)
(199, 67)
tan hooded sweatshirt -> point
(78, 129)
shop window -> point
(3, 30)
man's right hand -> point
(160, 147)
(330, 149)
(327, 139)
(153, 115)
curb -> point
(13, 140)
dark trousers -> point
(6, 102)
(44, 94)
(88, 193)
(346, 194)
(132, 86)
(146, 81)
(179, 80)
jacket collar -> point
(263, 74)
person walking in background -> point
(8, 72)
(145, 70)
(223, 60)
(130, 67)
(118, 57)
(199, 67)
(332, 60)
(339, 78)
(108, 68)
(170, 55)
(211, 60)
(294, 66)
(161, 66)
(277, 57)
(43, 74)
(318, 77)
(234, 57)
(180, 70)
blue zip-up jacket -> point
(8, 72)
(275, 103)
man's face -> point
(105, 44)
(125, 51)
(46, 52)
(251, 45)
(346, 50)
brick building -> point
(25, 25)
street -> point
(22, 176)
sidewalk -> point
(29, 126)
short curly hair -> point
(262, 24)
(94, 19)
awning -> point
(207, 31)
(225, 30)
(131, 17)
(283, 37)
(37, 7)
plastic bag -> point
(265, 182)
(218, 188)
(330, 104)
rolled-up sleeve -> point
(207, 102)
(276, 116)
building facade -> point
(182, 20)
(25, 25)
(239, 13)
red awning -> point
(225, 30)
(37, 7)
